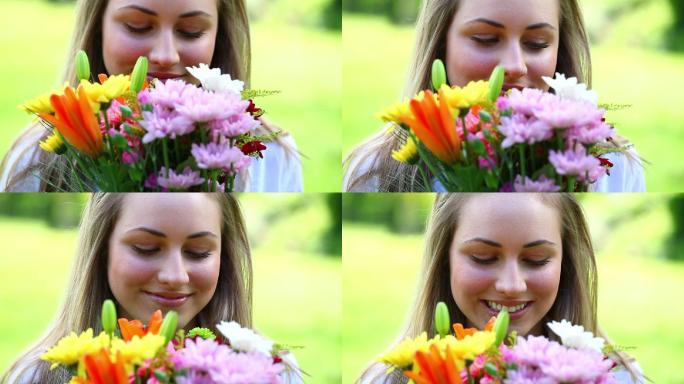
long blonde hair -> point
(576, 298)
(88, 285)
(372, 160)
(232, 55)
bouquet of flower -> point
(125, 134)
(478, 138)
(156, 353)
(480, 356)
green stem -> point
(571, 184)
(426, 179)
(165, 153)
(521, 153)
(465, 141)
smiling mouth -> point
(512, 309)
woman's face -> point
(172, 34)
(506, 251)
(165, 253)
(521, 35)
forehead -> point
(169, 7)
(511, 13)
(172, 212)
(502, 217)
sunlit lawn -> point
(297, 290)
(376, 56)
(302, 62)
(636, 286)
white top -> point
(278, 171)
(626, 175)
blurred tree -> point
(675, 36)
(59, 210)
(403, 11)
(676, 242)
(399, 212)
(332, 239)
(332, 15)
(366, 6)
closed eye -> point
(144, 251)
(536, 45)
(537, 263)
(485, 40)
(138, 30)
(484, 260)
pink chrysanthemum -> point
(220, 156)
(561, 113)
(234, 125)
(160, 123)
(183, 180)
(576, 162)
(521, 129)
(207, 361)
(540, 185)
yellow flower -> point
(394, 113)
(104, 93)
(408, 153)
(474, 93)
(53, 143)
(137, 349)
(41, 104)
(403, 354)
(468, 347)
(70, 349)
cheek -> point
(465, 63)
(204, 276)
(200, 51)
(545, 283)
(120, 51)
(542, 65)
(125, 271)
(467, 282)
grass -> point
(302, 62)
(376, 56)
(635, 285)
(286, 268)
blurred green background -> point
(295, 49)
(637, 60)
(297, 271)
(638, 240)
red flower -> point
(253, 110)
(255, 146)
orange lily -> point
(101, 370)
(462, 332)
(435, 368)
(130, 328)
(75, 121)
(434, 125)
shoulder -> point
(292, 374)
(280, 170)
(626, 174)
(358, 175)
(623, 376)
(23, 154)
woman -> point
(531, 253)
(529, 38)
(133, 249)
(173, 35)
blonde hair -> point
(575, 300)
(88, 285)
(372, 159)
(232, 55)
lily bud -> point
(168, 327)
(496, 83)
(438, 74)
(82, 66)
(109, 317)
(501, 326)
(139, 74)
(442, 320)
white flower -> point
(244, 339)
(570, 89)
(213, 80)
(575, 336)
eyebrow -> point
(163, 235)
(153, 13)
(493, 243)
(499, 25)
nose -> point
(172, 271)
(164, 54)
(513, 63)
(511, 281)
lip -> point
(509, 303)
(168, 299)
